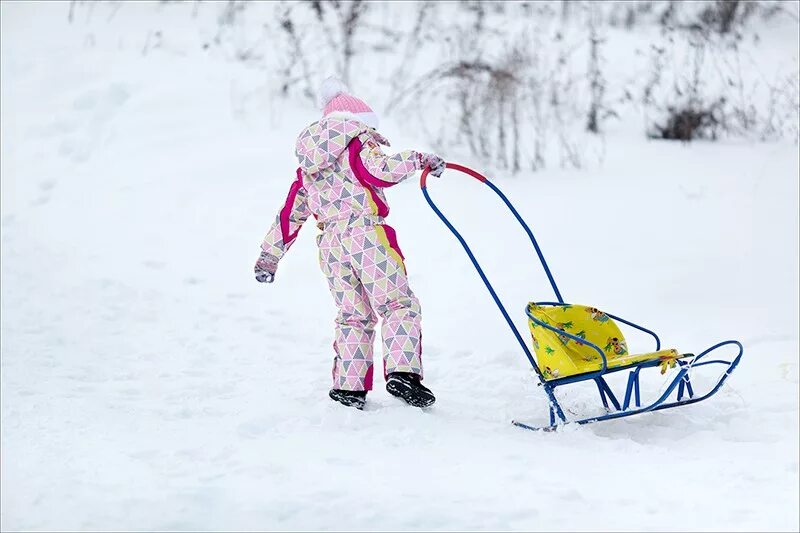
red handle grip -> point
(423, 180)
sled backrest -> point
(558, 355)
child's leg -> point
(378, 263)
(355, 322)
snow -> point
(148, 382)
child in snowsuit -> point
(340, 181)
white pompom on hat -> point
(336, 101)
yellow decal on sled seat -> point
(560, 356)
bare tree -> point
(411, 49)
(349, 20)
(297, 57)
(348, 17)
(597, 83)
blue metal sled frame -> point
(685, 394)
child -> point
(340, 181)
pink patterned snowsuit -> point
(340, 181)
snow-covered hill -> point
(148, 382)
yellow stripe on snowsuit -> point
(372, 204)
(384, 240)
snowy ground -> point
(148, 382)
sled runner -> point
(577, 343)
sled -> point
(577, 343)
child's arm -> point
(284, 230)
(381, 170)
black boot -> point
(407, 386)
(350, 398)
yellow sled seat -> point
(559, 356)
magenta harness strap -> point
(287, 209)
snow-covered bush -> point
(522, 85)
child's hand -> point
(265, 268)
(436, 163)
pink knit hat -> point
(336, 101)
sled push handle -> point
(483, 179)
(423, 183)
